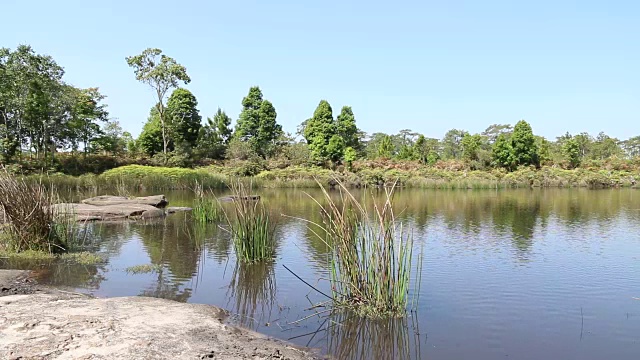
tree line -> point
(41, 115)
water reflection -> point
(348, 336)
(252, 291)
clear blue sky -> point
(424, 65)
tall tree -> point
(571, 152)
(162, 73)
(319, 130)
(452, 143)
(495, 130)
(502, 152)
(471, 146)
(257, 123)
(184, 118)
(523, 143)
(386, 148)
(215, 136)
(347, 129)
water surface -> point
(520, 274)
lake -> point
(518, 274)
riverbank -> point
(45, 323)
(123, 179)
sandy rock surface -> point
(72, 326)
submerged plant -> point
(251, 226)
(371, 254)
(206, 207)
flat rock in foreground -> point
(72, 326)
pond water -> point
(520, 274)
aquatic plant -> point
(251, 226)
(371, 253)
(143, 269)
(31, 220)
(206, 207)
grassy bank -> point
(138, 177)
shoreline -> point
(46, 322)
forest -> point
(48, 125)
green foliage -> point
(523, 144)
(571, 152)
(335, 148)
(162, 73)
(385, 148)
(502, 152)
(347, 129)
(150, 139)
(183, 118)
(214, 137)
(39, 113)
(471, 145)
(452, 143)
(319, 130)
(257, 123)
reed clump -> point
(371, 257)
(252, 228)
(206, 207)
(30, 220)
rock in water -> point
(158, 201)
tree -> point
(495, 130)
(257, 123)
(452, 143)
(605, 147)
(150, 139)
(571, 152)
(184, 120)
(544, 150)
(215, 136)
(502, 152)
(111, 141)
(319, 131)
(347, 129)
(386, 148)
(631, 146)
(85, 112)
(471, 145)
(523, 144)
(335, 148)
(162, 73)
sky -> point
(428, 66)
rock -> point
(235, 197)
(74, 326)
(158, 201)
(86, 212)
(175, 209)
(151, 214)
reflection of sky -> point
(528, 275)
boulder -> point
(175, 209)
(152, 214)
(85, 212)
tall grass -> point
(252, 228)
(371, 253)
(31, 221)
(206, 207)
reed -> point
(251, 226)
(371, 254)
(206, 207)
